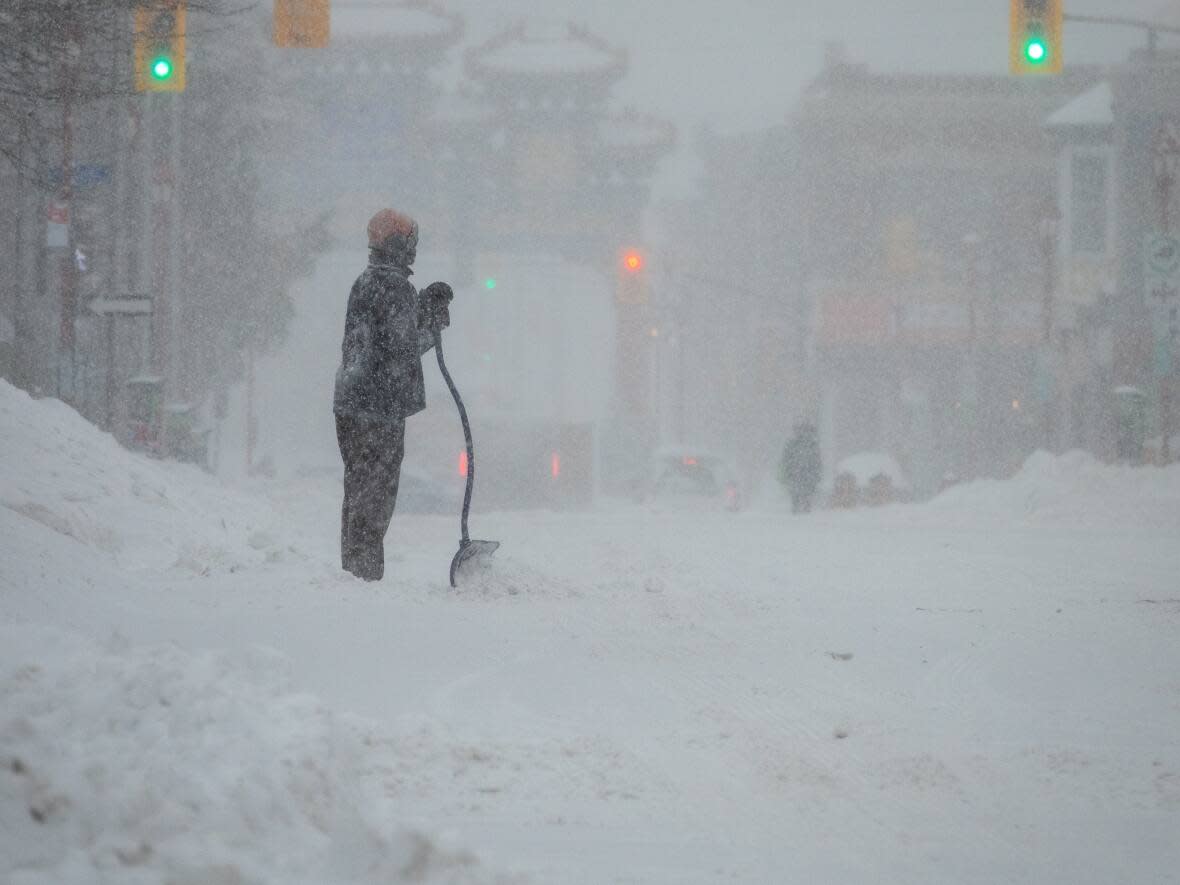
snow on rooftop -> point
(631, 130)
(546, 48)
(1092, 108)
(461, 108)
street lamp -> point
(971, 246)
(1048, 235)
(1166, 164)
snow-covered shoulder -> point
(1074, 489)
(62, 472)
(138, 765)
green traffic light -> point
(162, 68)
(489, 283)
(1036, 51)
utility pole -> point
(972, 243)
(1166, 165)
(67, 333)
(22, 373)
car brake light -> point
(555, 465)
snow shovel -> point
(471, 553)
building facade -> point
(1119, 326)
(928, 206)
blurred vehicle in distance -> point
(420, 492)
(872, 478)
(693, 479)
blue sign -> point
(84, 175)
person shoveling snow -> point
(388, 327)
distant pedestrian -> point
(389, 325)
(801, 467)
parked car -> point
(872, 478)
(421, 492)
(418, 491)
(693, 479)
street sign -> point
(83, 175)
(1161, 255)
(57, 226)
(124, 306)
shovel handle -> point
(442, 367)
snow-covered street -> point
(981, 689)
(540, 442)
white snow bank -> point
(61, 471)
(1073, 489)
(121, 765)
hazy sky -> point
(740, 63)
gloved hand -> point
(434, 306)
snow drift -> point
(126, 764)
(1074, 489)
(62, 472)
(639, 697)
(152, 765)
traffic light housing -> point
(302, 23)
(1034, 37)
(159, 46)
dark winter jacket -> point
(380, 374)
(800, 468)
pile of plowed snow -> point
(59, 470)
(1073, 489)
(127, 766)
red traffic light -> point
(633, 261)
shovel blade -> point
(472, 556)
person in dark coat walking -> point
(388, 327)
(801, 466)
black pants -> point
(801, 500)
(372, 453)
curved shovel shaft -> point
(470, 552)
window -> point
(1088, 203)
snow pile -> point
(61, 471)
(1073, 489)
(150, 766)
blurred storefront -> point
(924, 199)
